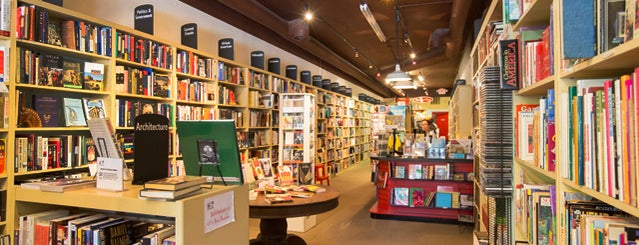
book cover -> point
(47, 108)
(277, 198)
(545, 234)
(382, 179)
(305, 175)
(400, 172)
(416, 197)
(286, 175)
(73, 112)
(93, 108)
(266, 167)
(72, 76)
(443, 199)
(3, 156)
(93, 76)
(579, 29)
(51, 70)
(441, 173)
(400, 196)
(53, 33)
(414, 171)
(175, 182)
(161, 86)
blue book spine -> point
(580, 138)
(579, 34)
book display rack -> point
(574, 120)
(424, 189)
(132, 73)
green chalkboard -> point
(222, 132)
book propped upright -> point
(175, 182)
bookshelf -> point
(459, 127)
(565, 75)
(199, 86)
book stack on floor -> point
(172, 188)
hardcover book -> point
(72, 75)
(400, 196)
(414, 171)
(175, 182)
(416, 197)
(53, 33)
(50, 72)
(161, 86)
(47, 108)
(400, 172)
(62, 185)
(93, 108)
(73, 112)
(93, 76)
(3, 156)
(443, 200)
(305, 175)
(169, 194)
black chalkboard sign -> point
(151, 144)
(225, 48)
(291, 71)
(318, 81)
(274, 65)
(257, 59)
(305, 77)
(56, 2)
(143, 18)
(188, 34)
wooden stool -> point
(321, 175)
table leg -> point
(273, 231)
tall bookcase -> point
(561, 79)
(297, 135)
(198, 86)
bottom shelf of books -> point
(217, 215)
(424, 189)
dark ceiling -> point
(435, 30)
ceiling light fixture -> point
(308, 15)
(399, 78)
(420, 77)
(370, 18)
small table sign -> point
(110, 174)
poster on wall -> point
(188, 35)
(143, 18)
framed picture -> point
(207, 151)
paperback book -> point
(93, 76)
(73, 112)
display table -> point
(273, 216)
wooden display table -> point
(273, 216)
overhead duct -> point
(298, 29)
(438, 37)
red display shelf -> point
(385, 209)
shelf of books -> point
(297, 136)
(574, 115)
(424, 189)
(92, 68)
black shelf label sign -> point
(257, 59)
(151, 144)
(291, 71)
(56, 2)
(189, 35)
(225, 48)
(274, 65)
(143, 18)
(305, 77)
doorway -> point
(441, 120)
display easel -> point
(207, 150)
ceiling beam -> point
(250, 15)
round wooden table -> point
(273, 216)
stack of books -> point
(172, 188)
